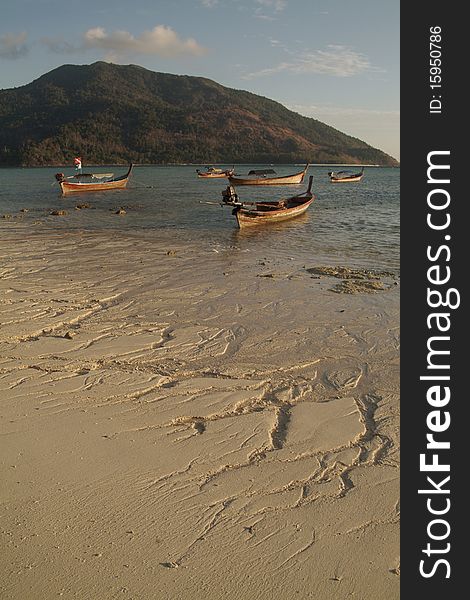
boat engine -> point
(229, 196)
(60, 176)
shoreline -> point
(186, 164)
(180, 420)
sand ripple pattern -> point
(173, 419)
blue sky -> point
(334, 60)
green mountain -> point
(112, 114)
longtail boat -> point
(261, 178)
(92, 182)
(213, 173)
(265, 212)
(345, 176)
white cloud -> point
(337, 61)
(209, 3)
(276, 5)
(264, 17)
(13, 46)
(161, 41)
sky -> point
(334, 60)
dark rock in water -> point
(120, 211)
(59, 213)
(354, 281)
(24, 209)
(348, 273)
(6, 216)
(351, 286)
(80, 206)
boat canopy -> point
(262, 172)
(92, 175)
(345, 174)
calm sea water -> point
(348, 224)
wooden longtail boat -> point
(259, 178)
(265, 212)
(212, 173)
(92, 182)
(345, 176)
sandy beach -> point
(181, 422)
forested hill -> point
(112, 114)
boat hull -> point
(346, 179)
(212, 175)
(72, 188)
(294, 179)
(249, 218)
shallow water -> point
(353, 224)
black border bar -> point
(435, 370)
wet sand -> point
(180, 422)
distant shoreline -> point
(52, 166)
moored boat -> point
(92, 182)
(345, 176)
(261, 178)
(213, 173)
(265, 212)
